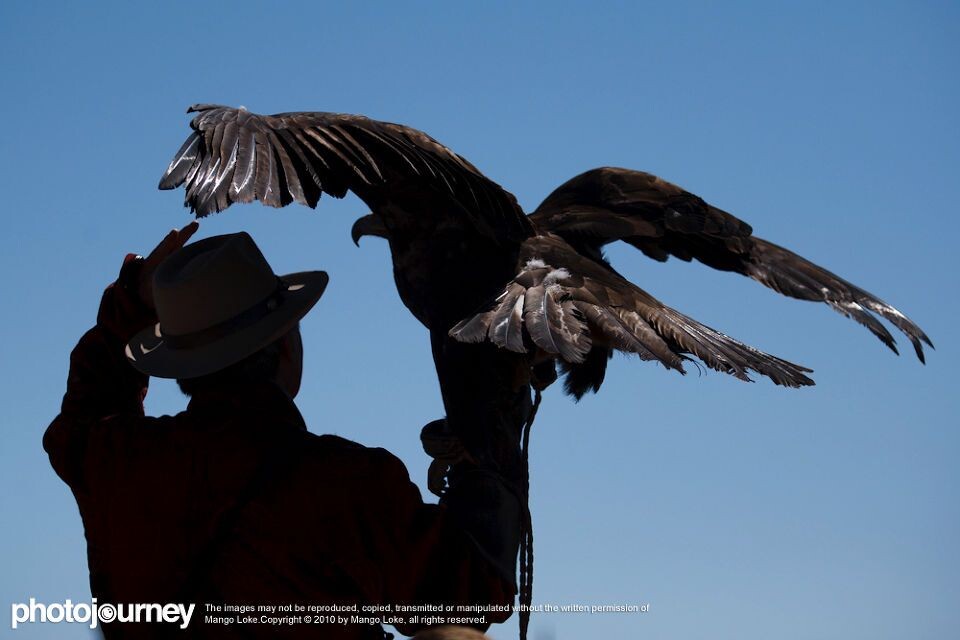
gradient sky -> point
(735, 510)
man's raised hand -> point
(170, 243)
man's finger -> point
(184, 234)
(173, 241)
(166, 246)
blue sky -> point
(734, 510)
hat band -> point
(246, 319)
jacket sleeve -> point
(101, 384)
(428, 558)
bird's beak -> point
(369, 225)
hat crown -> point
(210, 282)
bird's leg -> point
(543, 370)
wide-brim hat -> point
(218, 301)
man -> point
(233, 501)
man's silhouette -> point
(233, 501)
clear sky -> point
(735, 510)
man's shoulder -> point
(329, 444)
(332, 452)
(333, 443)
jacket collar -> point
(253, 401)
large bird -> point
(472, 267)
(506, 296)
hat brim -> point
(149, 353)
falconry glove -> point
(488, 505)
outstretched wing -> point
(234, 155)
(577, 311)
(661, 219)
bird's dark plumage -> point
(662, 220)
(468, 262)
(237, 156)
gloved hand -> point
(446, 449)
(488, 506)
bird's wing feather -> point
(662, 220)
(233, 155)
(572, 306)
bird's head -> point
(369, 225)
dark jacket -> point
(234, 501)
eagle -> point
(509, 298)
(473, 268)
